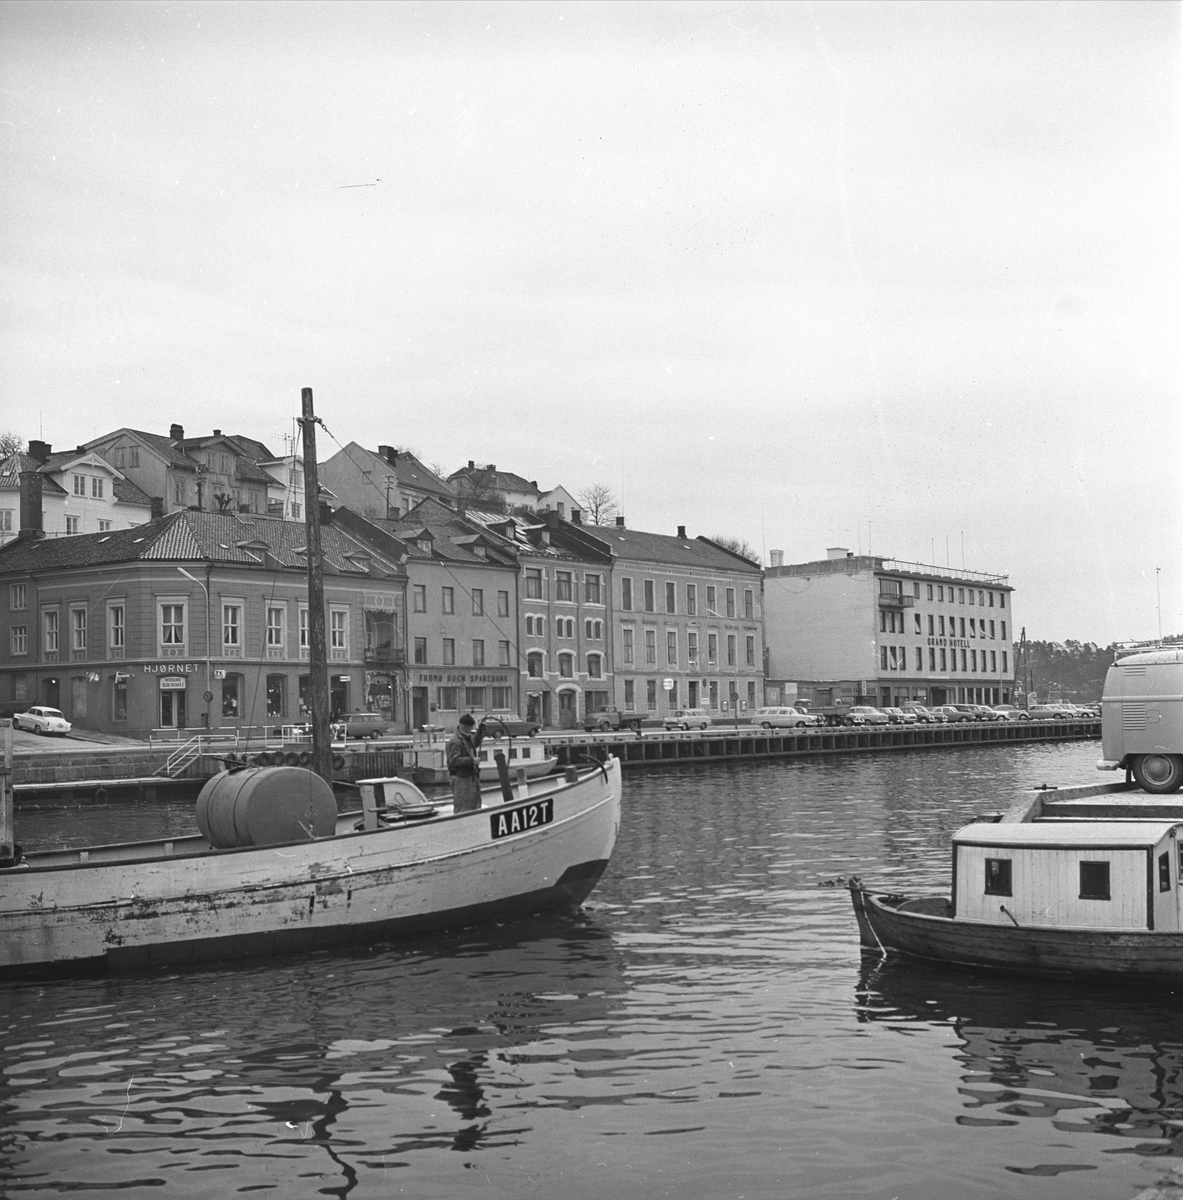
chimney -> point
(157, 507)
(492, 468)
(619, 522)
(471, 465)
(40, 451)
(778, 558)
(32, 526)
(176, 433)
(682, 532)
(217, 433)
(837, 552)
(326, 512)
(552, 519)
(576, 516)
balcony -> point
(895, 600)
(386, 656)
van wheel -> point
(1159, 773)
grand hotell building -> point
(870, 630)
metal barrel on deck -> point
(265, 806)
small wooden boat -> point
(521, 754)
(398, 866)
(1071, 899)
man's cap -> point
(467, 719)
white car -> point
(42, 720)
(781, 717)
(688, 718)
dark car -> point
(611, 718)
(362, 725)
(509, 725)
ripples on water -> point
(705, 1028)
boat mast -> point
(318, 667)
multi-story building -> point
(687, 624)
(75, 491)
(879, 631)
(382, 485)
(193, 621)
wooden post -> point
(318, 666)
(6, 830)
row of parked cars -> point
(783, 717)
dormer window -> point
(480, 551)
(424, 544)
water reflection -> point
(1087, 1060)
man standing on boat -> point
(463, 768)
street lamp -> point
(209, 692)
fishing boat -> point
(531, 755)
(274, 867)
(1071, 899)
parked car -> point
(603, 719)
(986, 713)
(39, 719)
(1047, 712)
(864, 714)
(509, 725)
(361, 725)
(1011, 712)
(953, 713)
(925, 716)
(782, 717)
(688, 718)
(900, 716)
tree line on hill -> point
(1068, 670)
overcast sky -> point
(889, 276)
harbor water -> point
(706, 1027)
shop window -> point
(231, 696)
(277, 695)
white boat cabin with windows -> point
(529, 754)
(1119, 875)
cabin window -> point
(1094, 881)
(998, 877)
(1164, 872)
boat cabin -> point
(1091, 875)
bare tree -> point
(737, 546)
(11, 443)
(479, 487)
(599, 505)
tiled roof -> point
(14, 464)
(451, 535)
(661, 548)
(188, 536)
(497, 481)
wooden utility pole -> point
(7, 853)
(318, 658)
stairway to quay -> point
(52, 775)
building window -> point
(19, 639)
(503, 654)
(630, 695)
(478, 652)
(534, 665)
(650, 601)
(993, 661)
(172, 624)
(750, 650)
(973, 660)
(474, 697)
(419, 597)
(1002, 631)
(96, 487)
(917, 627)
(626, 594)
(883, 658)
(339, 630)
(712, 649)
(563, 590)
(448, 697)
(627, 644)
(420, 649)
(78, 629)
(73, 524)
(1002, 600)
(18, 597)
(276, 620)
(6, 515)
(478, 602)
(731, 602)
(651, 647)
(749, 610)
(567, 666)
(449, 605)
(592, 589)
(178, 492)
(932, 659)
(731, 650)
(919, 659)
(1094, 881)
(671, 597)
(671, 647)
(565, 627)
(691, 599)
(230, 698)
(79, 485)
(503, 604)
(449, 652)
(305, 631)
(944, 665)
(651, 694)
(1004, 670)
(692, 649)
(104, 526)
(231, 625)
(998, 877)
(594, 670)
(533, 583)
(277, 688)
(499, 697)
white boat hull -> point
(143, 903)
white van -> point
(1142, 719)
